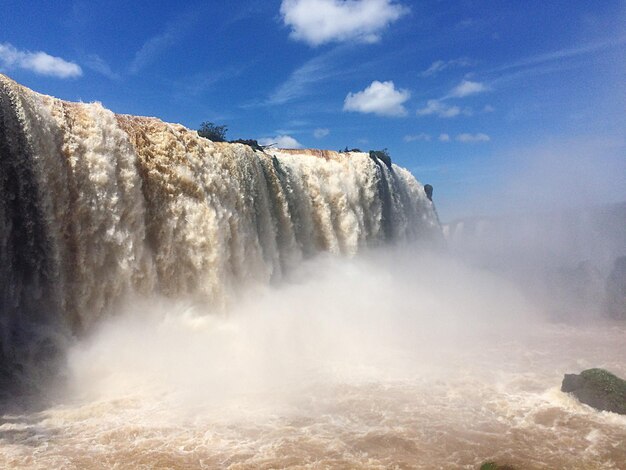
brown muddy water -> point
(349, 366)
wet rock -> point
(616, 290)
(428, 189)
(382, 155)
(597, 388)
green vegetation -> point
(212, 131)
(495, 466)
(613, 388)
(346, 150)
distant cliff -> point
(564, 258)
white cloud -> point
(320, 133)
(435, 68)
(281, 141)
(441, 65)
(444, 137)
(37, 62)
(97, 64)
(466, 88)
(488, 109)
(320, 21)
(151, 48)
(380, 98)
(473, 138)
(304, 77)
(440, 109)
(417, 137)
(155, 45)
(559, 55)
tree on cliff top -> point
(212, 131)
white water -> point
(104, 207)
(374, 362)
(208, 335)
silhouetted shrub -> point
(250, 142)
(212, 131)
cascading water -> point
(96, 207)
(395, 358)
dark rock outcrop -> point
(382, 155)
(249, 142)
(597, 388)
(428, 189)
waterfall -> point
(96, 207)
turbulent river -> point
(179, 303)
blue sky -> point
(501, 105)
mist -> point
(553, 223)
(205, 304)
(556, 174)
(345, 357)
(391, 314)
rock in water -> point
(495, 466)
(597, 388)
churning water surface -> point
(399, 361)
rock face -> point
(597, 388)
(616, 290)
